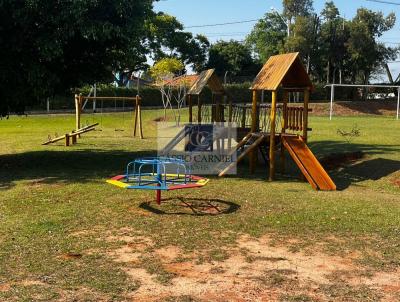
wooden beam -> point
(305, 114)
(75, 133)
(78, 108)
(272, 137)
(198, 109)
(189, 100)
(284, 127)
(254, 128)
(66, 140)
(109, 98)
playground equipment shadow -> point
(51, 167)
(191, 206)
(87, 165)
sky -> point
(193, 13)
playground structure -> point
(138, 128)
(72, 136)
(258, 124)
(159, 174)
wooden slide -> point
(308, 163)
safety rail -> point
(294, 118)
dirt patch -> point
(337, 160)
(396, 182)
(70, 256)
(256, 269)
(5, 287)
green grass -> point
(47, 193)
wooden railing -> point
(294, 118)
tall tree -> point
(295, 8)
(334, 34)
(233, 57)
(50, 46)
(166, 38)
(367, 55)
(267, 37)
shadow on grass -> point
(343, 174)
(373, 169)
(51, 167)
(191, 206)
(365, 169)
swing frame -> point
(79, 98)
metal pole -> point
(398, 103)
(48, 105)
(332, 97)
(94, 94)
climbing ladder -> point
(249, 143)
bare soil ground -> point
(255, 269)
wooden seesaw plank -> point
(72, 134)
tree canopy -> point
(50, 46)
(332, 48)
(233, 57)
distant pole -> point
(48, 105)
(332, 97)
(398, 103)
(94, 94)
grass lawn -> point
(66, 235)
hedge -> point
(151, 97)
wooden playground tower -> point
(210, 79)
(281, 75)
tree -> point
(366, 54)
(163, 72)
(267, 37)
(304, 38)
(295, 8)
(232, 56)
(51, 46)
(166, 38)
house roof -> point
(207, 78)
(284, 71)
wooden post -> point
(284, 127)
(230, 113)
(243, 125)
(198, 109)
(73, 139)
(139, 100)
(189, 100)
(272, 137)
(254, 128)
(78, 108)
(217, 109)
(66, 140)
(305, 114)
(136, 115)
